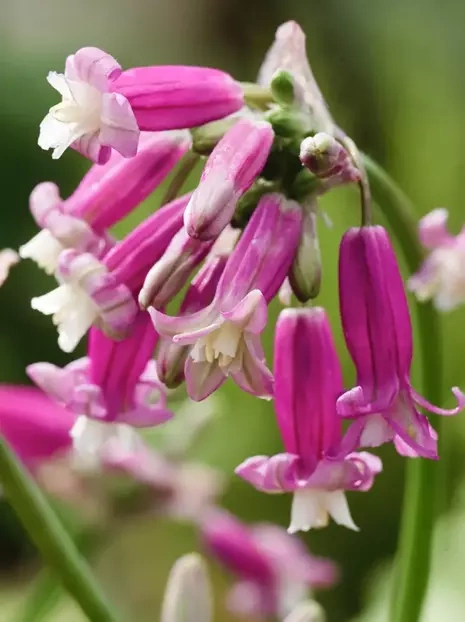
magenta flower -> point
(441, 276)
(116, 382)
(103, 292)
(90, 118)
(225, 335)
(231, 169)
(175, 96)
(274, 570)
(105, 195)
(376, 322)
(317, 466)
(36, 428)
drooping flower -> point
(378, 332)
(231, 169)
(318, 466)
(171, 357)
(441, 277)
(225, 335)
(288, 52)
(274, 570)
(105, 195)
(8, 258)
(104, 108)
(90, 118)
(36, 428)
(103, 292)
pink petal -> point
(93, 66)
(119, 128)
(276, 474)
(202, 378)
(251, 312)
(254, 376)
(423, 403)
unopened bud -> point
(188, 594)
(324, 156)
(305, 273)
(282, 87)
(309, 611)
(286, 122)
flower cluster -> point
(246, 235)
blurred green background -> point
(392, 73)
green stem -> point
(186, 167)
(256, 96)
(419, 511)
(52, 540)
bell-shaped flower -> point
(318, 466)
(378, 332)
(104, 108)
(103, 292)
(225, 335)
(105, 196)
(90, 118)
(116, 383)
(288, 52)
(231, 169)
(441, 277)
(35, 427)
(274, 570)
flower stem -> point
(419, 512)
(52, 540)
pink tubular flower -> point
(274, 570)
(225, 335)
(288, 52)
(91, 119)
(36, 428)
(176, 97)
(441, 276)
(376, 322)
(102, 199)
(317, 466)
(103, 292)
(231, 169)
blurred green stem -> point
(52, 540)
(419, 512)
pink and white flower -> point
(441, 277)
(319, 465)
(224, 336)
(274, 569)
(105, 196)
(378, 332)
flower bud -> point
(324, 156)
(305, 274)
(282, 87)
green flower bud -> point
(282, 87)
(305, 273)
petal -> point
(432, 229)
(90, 146)
(276, 474)
(251, 312)
(254, 376)
(423, 403)
(414, 429)
(119, 128)
(8, 258)
(308, 511)
(338, 508)
(190, 326)
(202, 378)
(94, 66)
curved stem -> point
(419, 512)
(52, 540)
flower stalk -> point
(52, 540)
(419, 513)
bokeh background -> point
(392, 73)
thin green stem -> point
(419, 511)
(256, 96)
(186, 167)
(52, 540)
(364, 185)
